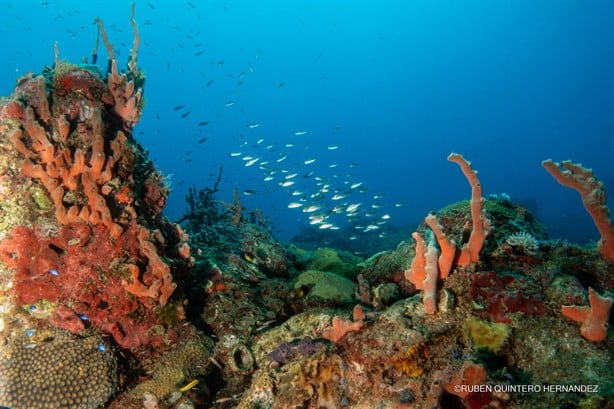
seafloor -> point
(106, 303)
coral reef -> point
(105, 303)
(94, 246)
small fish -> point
(178, 107)
(229, 103)
(209, 83)
(102, 348)
(253, 125)
(352, 208)
(291, 176)
(294, 205)
(251, 69)
(185, 114)
(311, 208)
(223, 400)
(189, 385)
(286, 183)
(265, 324)
(289, 145)
(309, 161)
(281, 84)
(332, 147)
(281, 159)
(234, 154)
(29, 346)
(83, 317)
(316, 219)
(268, 178)
(30, 332)
(197, 53)
(376, 206)
(326, 226)
(355, 185)
(251, 162)
(248, 192)
(203, 140)
(338, 196)
(259, 141)
(53, 272)
(203, 123)
(385, 217)
(299, 133)
(215, 362)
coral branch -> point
(340, 328)
(424, 271)
(135, 46)
(429, 298)
(59, 176)
(448, 247)
(416, 273)
(593, 195)
(126, 95)
(105, 39)
(480, 228)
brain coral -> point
(53, 370)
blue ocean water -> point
(377, 92)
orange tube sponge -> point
(416, 273)
(340, 328)
(593, 194)
(594, 319)
(480, 225)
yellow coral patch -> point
(486, 334)
(411, 361)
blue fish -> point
(53, 272)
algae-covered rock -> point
(177, 367)
(306, 324)
(486, 334)
(325, 287)
(328, 259)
